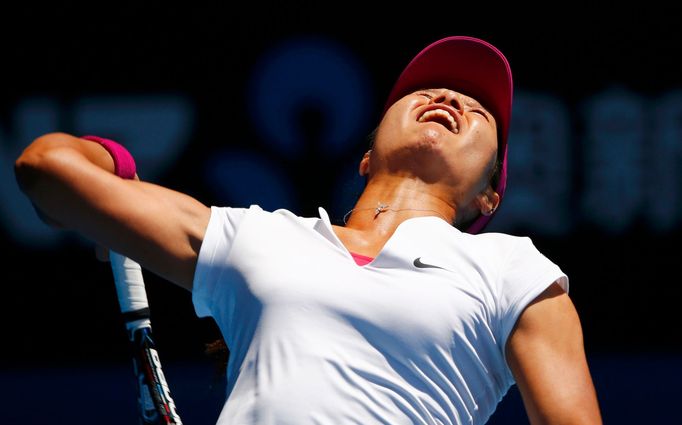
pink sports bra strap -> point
(361, 260)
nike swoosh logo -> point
(418, 263)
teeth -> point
(429, 115)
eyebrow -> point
(472, 102)
(425, 91)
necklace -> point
(381, 207)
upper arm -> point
(160, 228)
(546, 355)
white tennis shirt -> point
(416, 336)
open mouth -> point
(440, 116)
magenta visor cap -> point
(475, 68)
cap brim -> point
(473, 67)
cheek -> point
(476, 157)
(391, 131)
(482, 142)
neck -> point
(386, 202)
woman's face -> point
(441, 137)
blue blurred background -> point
(271, 104)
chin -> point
(426, 160)
(431, 140)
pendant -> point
(379, 209)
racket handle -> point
(155, 404)
(130, 289)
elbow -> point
(25, 170)
(32, 162)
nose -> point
(449, 97)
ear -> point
(488, 201)
(364, 164)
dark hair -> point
(372, 136)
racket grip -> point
(130, 289)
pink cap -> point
(473, 67)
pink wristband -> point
(124, 164)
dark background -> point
(62, 328)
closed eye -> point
(426, 95)
(480, 112)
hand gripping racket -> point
(155, 404)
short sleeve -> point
(222, 228)
(524, 276)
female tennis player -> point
(406, 314)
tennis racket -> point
(155, 404)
